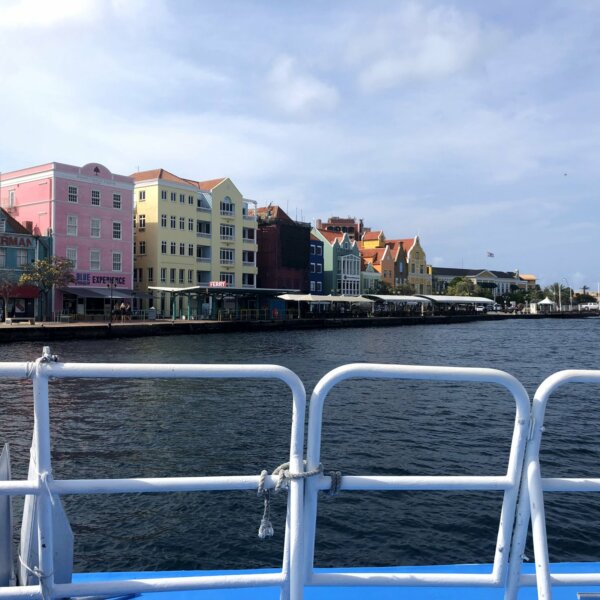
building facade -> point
(191, 234)
(18, 248)
(316, 266)
(283, 250)
(341, 263)
(351, 225)
(498, 282)
(87, 212)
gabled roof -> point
(330, 236)
(207, 186)
(371, 236)
(160, 174)
(274, 212)
(13, 225)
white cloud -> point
(296, 93)
(23, 14)
(413, 44)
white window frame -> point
(72, 225)
(95, 259)
(95, 227)
(117, 201)
(117, 262)
(21, 257)
(117, 230)
(72, 194)
(95, 197)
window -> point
(142, 195)
(142, 247)
(11, 198)
(191, 200)
(22, 257)
(181, 275)
(163, 247)
(248, 257)
(95, 228)
(182, 198)
(163, 194)
(94, 260)
(116, 230)
(150, 274)
(172, 275)
(313, 287)
(142, 219)
(203, 253)
(72, 256)
(227, 207)
(227, 256)
(319, 267)
(173, 222)
(182, 223)
(181, 249)
(319, 250)
(71, 225)
(229, 278)
(173, 197)
(140, 274)
(190, 249)
(248, 279)
(421, 269)
(117, 201)
(95, 198)
(2, 226)
(190, 224)
(227, 232)
(116, 261)
(2, 257)
(412, 268)
(72, 194)
(313, 249)
(163, 220)
(173, 248)
(163, 276)
(203, 228)
(190, 276)
(319, 286)
(312, 267)
(248, 234)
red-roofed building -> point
(283, 250)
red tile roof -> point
(276, 212)
(207, 186)
(159, 174)
(371, 236)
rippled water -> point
(105, 428)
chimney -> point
(29, 226)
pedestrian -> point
(122, 310)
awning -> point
(398, 299)
(103, 292)
(316, 298)
(24, 291)
(458, 299)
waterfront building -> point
(351, 225)
(191, 235)
(316, 269)
(87, 214)
(500, 282)
(18, 248)
(376, 252)
(283, 250)
(410, 264)
(341, 263)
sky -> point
(471, 124)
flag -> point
(490, 255)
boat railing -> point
(508, 483)
(46, 489)
(535, 486)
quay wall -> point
(49, 332)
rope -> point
(30, 369)
(284, 476)
(42, 577)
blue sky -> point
(473, 124)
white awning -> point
(458, 299)
(316, 298)
(398, 299)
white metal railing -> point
(509, 483)
(532, 498)
(523, 488)
(289, 578)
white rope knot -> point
(44, 475)
(30, 369)
(284, 476)
(42, 577)
(336, 482)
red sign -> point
(16, 240)
(217, 284)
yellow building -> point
(190, 235)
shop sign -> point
(217, 284)
(89, 279)
(19, 241)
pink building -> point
(87, 212)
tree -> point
(404, 289)
(8, 282)
(45, 273)
(461, 286)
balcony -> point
(203, 259)
(249, 240)
(204, 209)
(203, 235)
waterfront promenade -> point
(50, 331)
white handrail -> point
(509, 483)
(289, 579)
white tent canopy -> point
(316, 298)
(458, 299)
(547, 302)
(398, 299)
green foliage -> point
(48, 272)
(461, 286)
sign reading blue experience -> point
(89, 279)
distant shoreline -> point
(49, 332)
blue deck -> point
(347, 593)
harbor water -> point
(153, 428)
